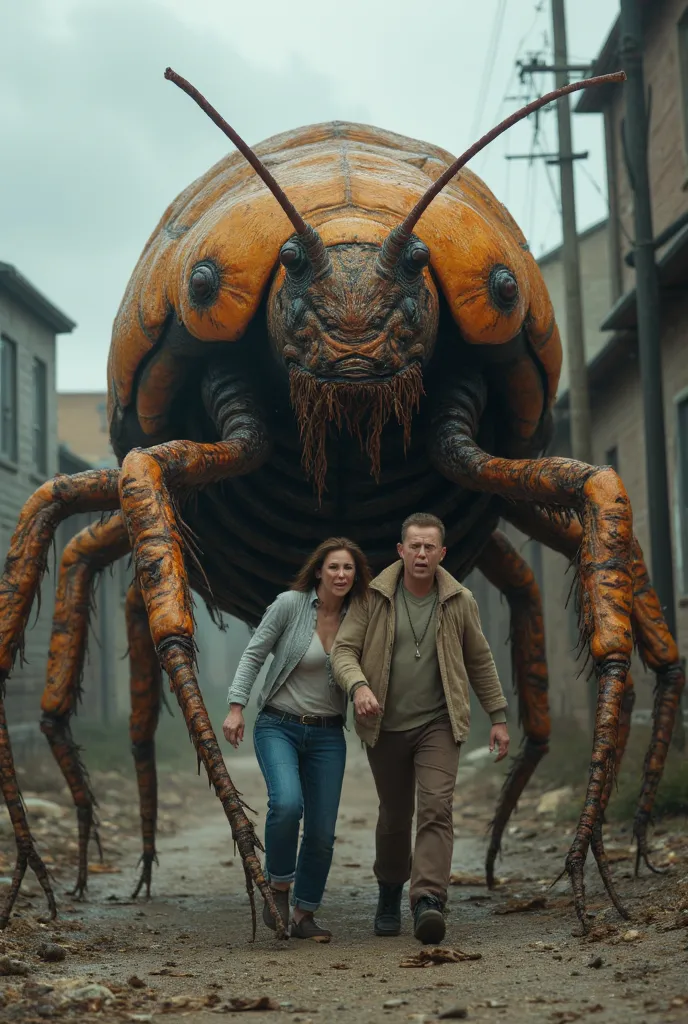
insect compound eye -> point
(204, 284)
(503, 288)
(293, 258)
(416, 257)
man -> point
(406, 657)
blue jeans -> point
(303, 767)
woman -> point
(298, 735)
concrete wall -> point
(593, 247)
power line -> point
(513, 80)
(598, 188)
(488, 67)
(550, 182)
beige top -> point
(307, 689)
(415, 695)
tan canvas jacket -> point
(362, 651)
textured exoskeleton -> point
(369, 337)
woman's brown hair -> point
(306, 580)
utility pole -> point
(580, 432)
(648, 306)
(579, 405)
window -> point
(40, 416)
(8, 399)
(611, 458)
(682, 489)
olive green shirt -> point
(415, 695)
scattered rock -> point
(40, 808)
(596, 963)
(550, 803)
(631, 936)
(46, 1010)
(8, 966)
(261, 1003)
(51, 952)
(454, 1013)
(136, 982)
(35, 990)
(90, 997)
(392, 1004)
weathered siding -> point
(17, 481)
(667, 146)
(593, 248)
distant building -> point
(610, 313)
(29, 455)
(567, 692)
(617, 407)
(29, 325)
(594, 258)
(82, 424)
(83, 427)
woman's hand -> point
(233, 725)
(365, 703)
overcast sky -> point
(94, 143)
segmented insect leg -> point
(93, 491)
(659, 652)
(146, 692)
(656, 647)
(505, 569)
(84, 557)
(605, 572)
(155, 529)
(597, 841)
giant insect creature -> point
(273, 380)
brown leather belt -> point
(322, 721)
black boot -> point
(388, 914)
(428, 920)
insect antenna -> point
(399, 236)
(309, 236)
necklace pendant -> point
(417, 653)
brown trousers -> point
(429, 758)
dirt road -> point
(186, 954)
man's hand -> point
(365, 703)
(233, 725)
(499, 738)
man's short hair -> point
(422, 519)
